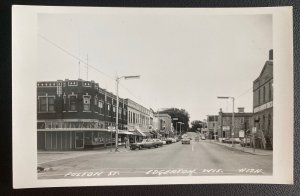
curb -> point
(241, 150)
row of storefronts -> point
(78, 114)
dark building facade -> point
(76, 114)
(263, 105)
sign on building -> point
(242, 133)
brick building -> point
(212, 122)
(263, 105)
(75, 114)
(242, 121)
(140, 121)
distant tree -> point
(195, 125)
(182, 115)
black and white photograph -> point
(132, 94)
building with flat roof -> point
(76, 114)
(263, 105)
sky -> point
(185, 61)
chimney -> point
(241, 110)
(271, 55)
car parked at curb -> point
(145, 143)
(157, 143)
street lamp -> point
(117, 110)
(181, 123)
(232, 129)
(176, 124)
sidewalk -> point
(238, 147)
(44, 157)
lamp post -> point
(117, 109)
(176, 124)
(181, 123)
(232, 127)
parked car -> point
(173, 140)
(169, 140)
(157, 143)
(185, 140)
(145, 143)
(203, 137)
(245, 143)
(177, 139)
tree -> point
(181, 114)
(195, 125)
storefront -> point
(68, 139)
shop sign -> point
(263, 107)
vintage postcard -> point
(144, 96)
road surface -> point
(197, 159)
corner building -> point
(263, 105)
(76, 114)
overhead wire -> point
(87, 64)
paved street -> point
(198, 158)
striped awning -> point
(140, 132)
(125, 132)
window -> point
(259, 97)
(86, 102)
(50, 104)
(100, 105)
(270, 91)
(73, 102)
(264, 94)
(43, 104)
(46, 104)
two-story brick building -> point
(75, 114)
(242, 121)
(263, 105)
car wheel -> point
(140, 147)
(156, 146)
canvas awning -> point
(125, 132)
(148, 134)
(140, 132)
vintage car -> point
(157, 143)
(169, 141)
(185, 140)
(145, 143)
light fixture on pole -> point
(117, 109)
(232, 126)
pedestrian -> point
(125, 141)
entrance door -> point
(79, 140)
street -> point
(198, 158)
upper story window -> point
(100, 105)
(86, 102)
(73, 102)
(46, 104)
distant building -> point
(140, 120)
(212, 124)
(163, 124)
(75, 114)
(242, 121)
(263, 105)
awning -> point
(142, 134)
(148, 134)
(125, 132)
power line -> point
(75, 57)
(244, 93)
(87, 64)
